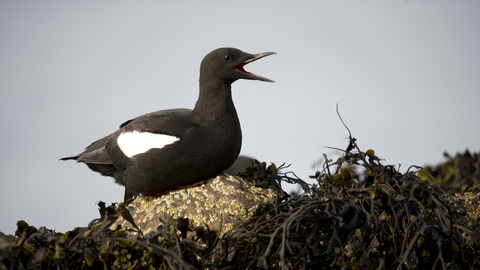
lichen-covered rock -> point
(213, 204)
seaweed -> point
(360, 214)
(91, 247)
(373, 218)
(458, 174)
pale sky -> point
(405, 74)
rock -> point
(213, 204)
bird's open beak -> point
(250, 75)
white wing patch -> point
(136, 142)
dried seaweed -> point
(360, 215)
(458, 174)
(92, 247)
(387, 220)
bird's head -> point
(227, 65)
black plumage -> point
(205, 140)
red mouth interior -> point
(240, 68)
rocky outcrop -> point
(211, 205)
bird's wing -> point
(168, 122)
(94, 153)
(172, 122)
(98, 156)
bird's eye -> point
(226, 58)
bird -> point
(178, 148)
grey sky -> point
(406, 76)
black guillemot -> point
(177, 148)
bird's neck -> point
(215, 102)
